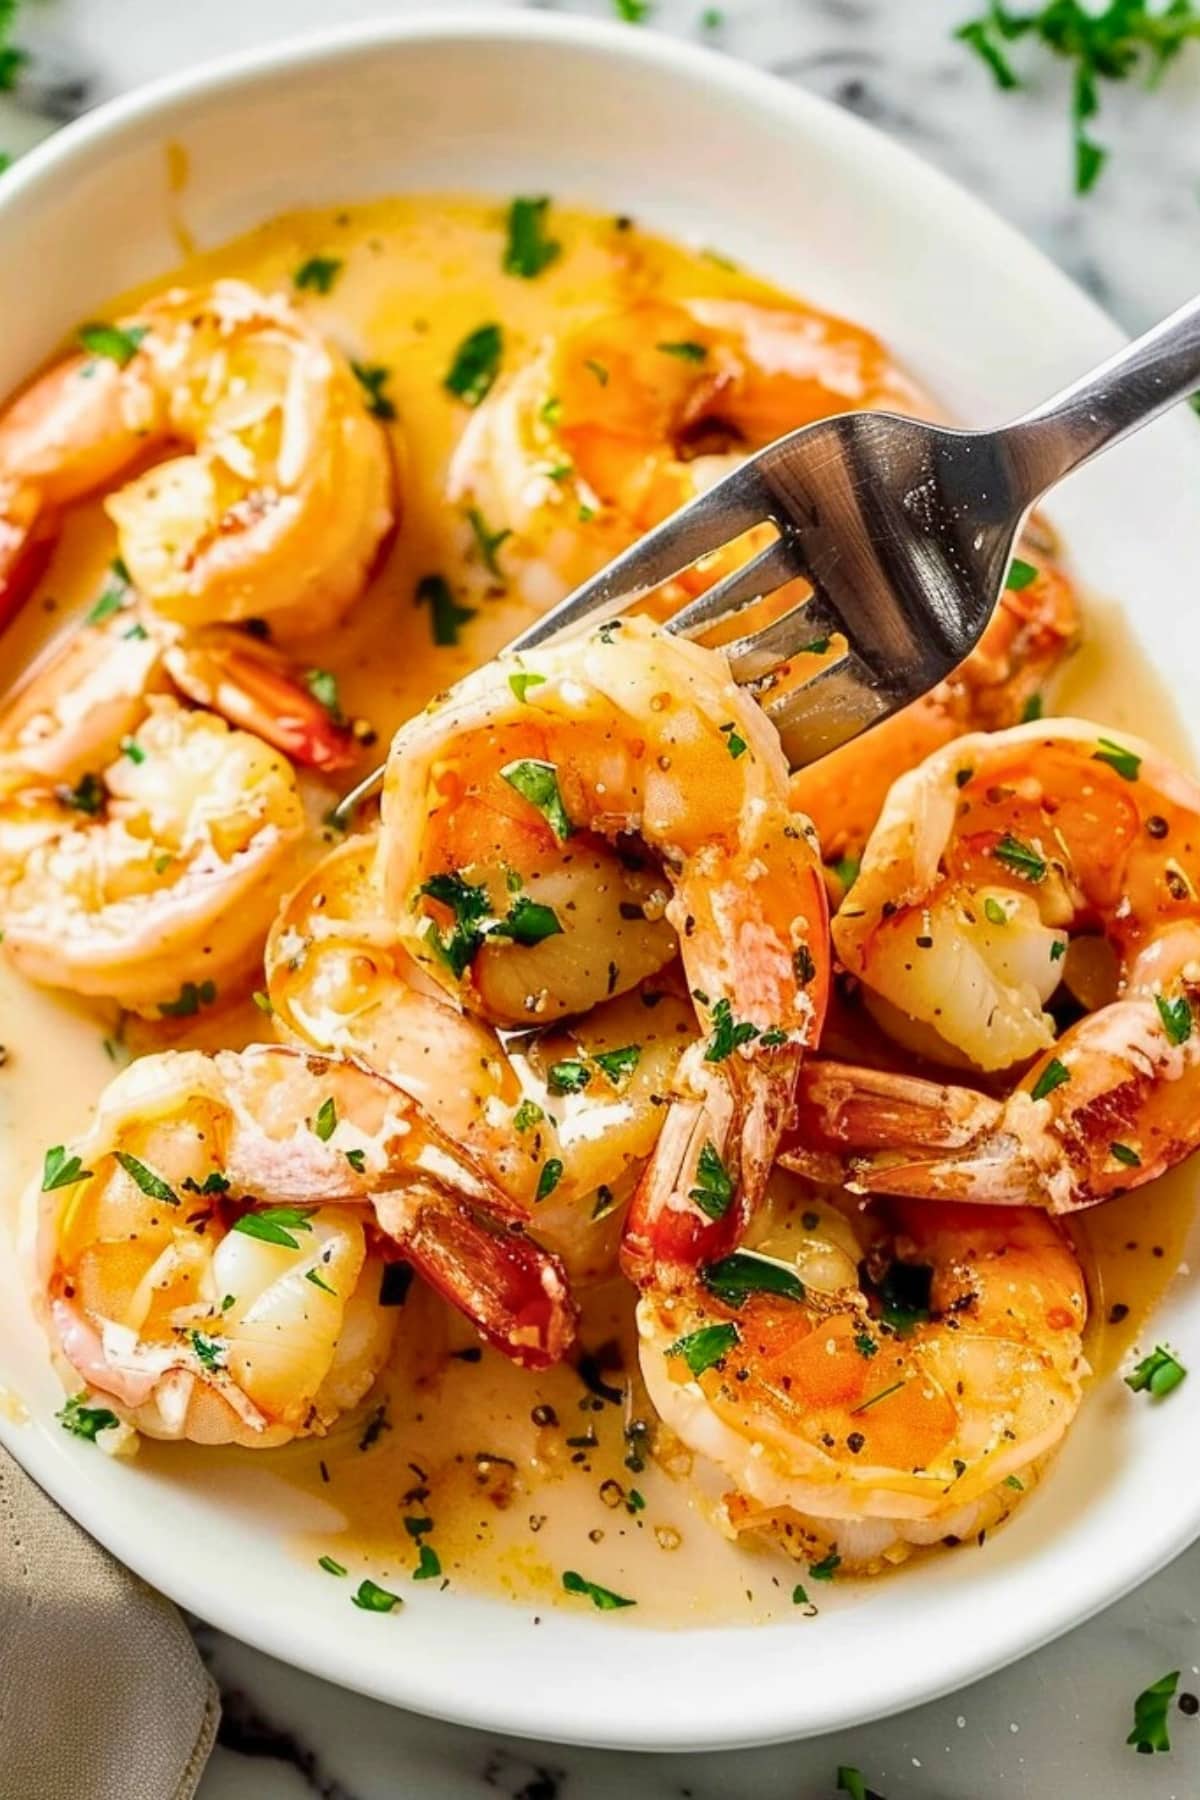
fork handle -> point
(1123, 394)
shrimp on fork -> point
(1005, 867)
(627, 736)
(893, 1381)
(211, 1252)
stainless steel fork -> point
(904, 530)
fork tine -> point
(730, 507)
(761, 575)
(756, 654)
(840, 701)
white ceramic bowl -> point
(705, 149)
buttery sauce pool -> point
(461, 1468)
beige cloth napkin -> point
(102, 1694)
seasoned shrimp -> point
(1032, 630)
(211, 1253)
(561, 1120)
(1005, 866)
(281, 504)
(612, 426)
(844, 1434)
(162, 867)
(630, 736)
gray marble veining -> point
(1055, 1724)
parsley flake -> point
(117, 344)
(537, 782)
(60, 1170)
(318, 274)
(84, 1421)
(1126, 763)
(476, 365)
(601, 1597)
(714, 1185)
(548, 1180)
(445, 612)
(1150, 1711)
(152, 1185)
(1021, 858)
(529, 250)
(734, 1278)
(370, 1597)
(1054, 1075)
(703, 1349)
(373, 378)
(325, 1123)
(1157, 1374)
(275, 1224)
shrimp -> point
(882, 1384)
(70, 712)
(1004, 866)
(611, 427)
(164, 864)
(1031, 631)
(561, 1120)
(627, 735)
(281, 504)
(211, 1253)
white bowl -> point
(705, 149)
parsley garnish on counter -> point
(1114, 42)
(1150, 1716)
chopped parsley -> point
(633, 12)
(85, 1421)
(1150, 1711)
(529, 250)
(445, 612)
(734, 1278)
(357, 1160)
(133, 750)
(705, 1348)
(331, 1567)
(488, 543)
(476, 365)
(373, 378)
(60, 1170)
(325, 1123)
(527, 922)
(799, 1596)
(1020, 575)
(522, 680)
(117, 344)
(1108, 41)
(618, 1065)
(318, 274)
(1021, 858)
(865, 1344)
(548, 1180)
(323, 687)
(212, 1352)
(471, 907)
(569, 1076)
(734, 743)
(152, 1185)
(601, 1597)
(1126, 1154)
(192, 996)
(1033, 709)
(537, 782)
(528, 1114)
(866, 1405)
(213, 1183)
(114, 597)
(373, 1598)
(87, 796)
(1157, 1374)
(728, 1034)
(1054, 1075)
(1176, 1016)
(687, 350)
(826, 1568)
(275, 1224)
(846, 869)
(993, 912)
(713, 1191)
(428, 1565)
(1125, 762)
(313, 1276)
(262, 1001)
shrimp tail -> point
(514, 1291)
(255, 687)
(839, 1106)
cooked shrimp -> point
(278, 509)
(1032, 630)
(211, 1252)
(612, 426)
(163, 867)
(1002, 867)
(562, 1120)
(845, 1434)
(630, 736)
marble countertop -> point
(1056, 1723)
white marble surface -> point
(1055, 1724)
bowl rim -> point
(128, 116)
